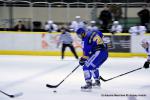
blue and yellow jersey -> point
(92, 42)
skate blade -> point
(96, 87)
(86, 90)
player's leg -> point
(94, 63)
(87, 71)
(63, 50)
(87, 77)
(96, 76)
(73, 51)
(101, 59)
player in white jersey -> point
(92, 26)
(116, 27)
(51, 27)
(78, 23)
(146, 45)
(137, 30)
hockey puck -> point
(54, 91)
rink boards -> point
(42, 43)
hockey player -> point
(78, 23)
(137, 30)
(116, 27)
(66, 40)
(51, 27)
(92, 26)
(146, 45)
(94, 55)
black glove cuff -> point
(146, 64)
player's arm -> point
(59, 40)
(85, 55)
(83, 58)
(145, 45)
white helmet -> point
(115, 22)
(77, 17)
(92, 22)
(50, 22)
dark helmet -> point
(80, 31)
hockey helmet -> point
(77, 17)
(115, 22)
(80, 32)
(92, 22)
(50, 22)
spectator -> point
(51, 27)
(144, 16)
(116, 27)
(19, 26)
(105, 18)
(116, 11)
(92, 26)
(147, 1)
(94, 12)
(78, 23)
(137, 30)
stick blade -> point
(51, 86)
(16, 95)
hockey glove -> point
(146, 64)
(82, 61)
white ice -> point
(30, 74)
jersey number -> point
(98, 40)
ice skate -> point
(96, 84)
(87, 87)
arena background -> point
(62, 12)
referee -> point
(66, 40)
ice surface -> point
(30, 74)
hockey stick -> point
(11, 95)
(105, 80)
(55, 86)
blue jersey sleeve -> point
(86, 50)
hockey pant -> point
(91, 66)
